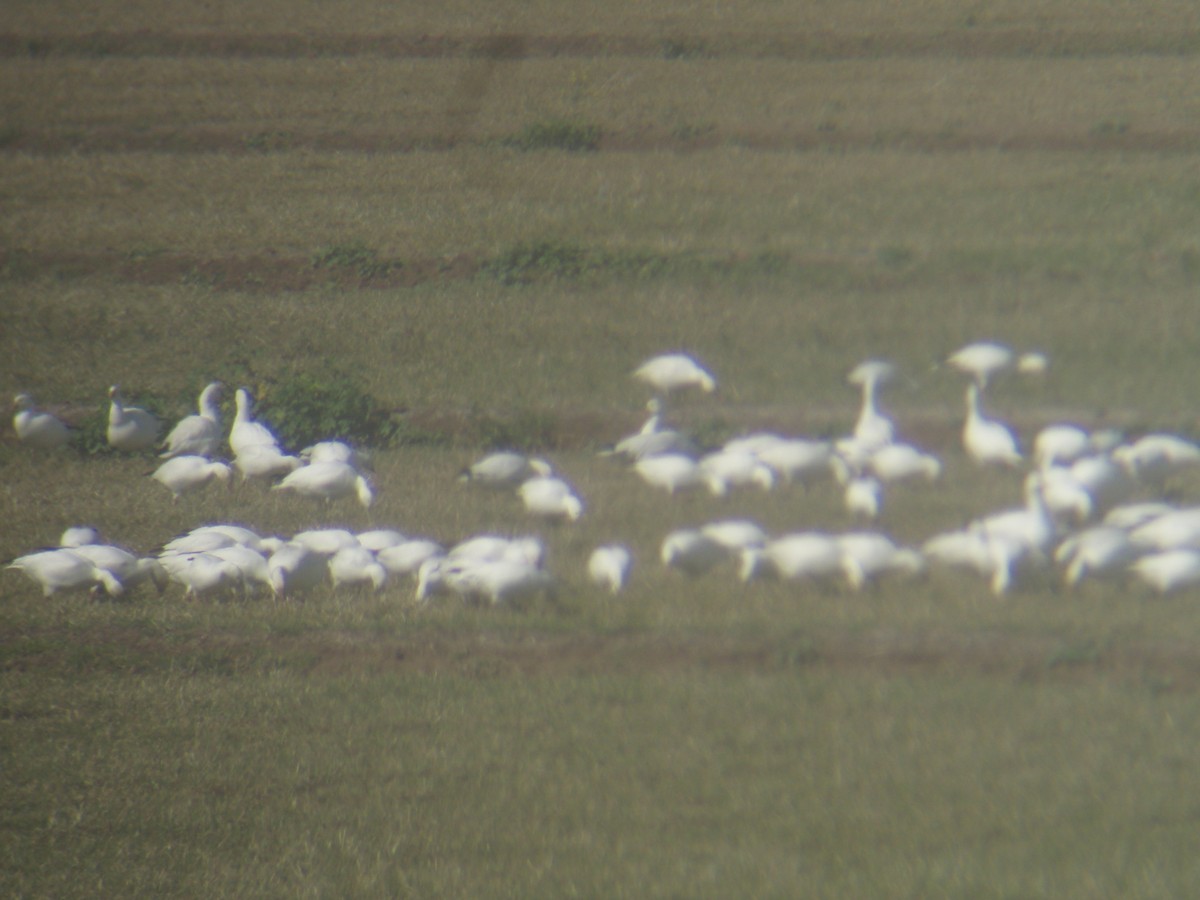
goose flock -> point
(1093, 504)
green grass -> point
(408, 234)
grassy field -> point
(484, 218)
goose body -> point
(407, 558)
(182, 474)
(202, 574)
(246, 434)
(265, 461)
(327, 481)
(130, 428)
(551, 498)
(200, 434)
(671, 372)
(869, 555)
(609, 566)
(983, 361)
(735, 534)
(863, 497)
(803, 555)
(671, 472)
(294, 569)
(903, 462)
(873, 428)
(691, 551)
(1058, 445)
(357, 565)
(128, 569)
(65, 570)
(1169, 571)
(38, 428)
(798, 459)
(987, 441)
(1097, 552)
(505, 470)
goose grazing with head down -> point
(672, 372)
(36, 427)
(200, 434)
(550, 498)
(327, 481)
(505, 470)
(130, 428)
(65, 570)
(609, 566)
(182, 474)
(987, 441)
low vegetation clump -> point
(314, 406)
(558, 134)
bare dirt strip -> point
(1160, 665)
(812, 45)
(200, 139)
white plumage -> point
(130, 428)
(36, 427)
(673, 372)
(327, 481)
(551, 498)
(672, 472)
(505, 469)
(609, 566)
(200, 434)
(987, 441)
(246, 435)
(182, 474)
(983, 361)
(65, 570)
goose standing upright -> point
(245, 435)
(200, 434)
(873, 429)
(130, 428)
(987, 441)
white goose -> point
(128, 569)
(36, 427)
(504, 470)
(671, 372)
(803, 555)
(609, 566)
(406, 559)
(182, 474)
(246, 435)
(130, 428)
(869, 555)
(200, 434)
(672, 472)
(982, 360)
(987, 441)
(294, 569)
(327, 481)
(550, 498)
(1169, 571)
(873, 429)
(65, 570)
(357, 565)
(265, 461)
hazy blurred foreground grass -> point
(829, 784)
